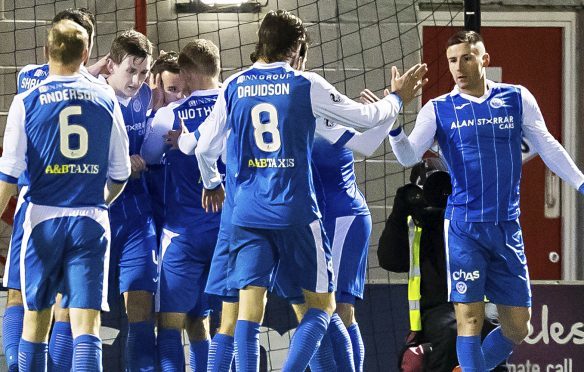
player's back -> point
(335, 166)
(68, 122)
(481, 141)
(270, 115)
(184, 189)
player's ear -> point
(85, 56)
(486, 60)
(110, 66)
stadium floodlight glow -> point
(218, 6)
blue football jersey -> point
(184, 187)
(334, 165)
(135, 199)
(68, 133)
(271, 111)
(481, 142)
(30, 76)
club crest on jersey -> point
(497, 102)
(39, 73)
(137, 105)
(335, 98)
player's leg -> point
(61, 341)
(12, 328)
(198, 330)
(84, 286)
(306, 249)
(14, 312)
(41, 257)
(169, 341)
(508, 287)
(350, 245)
(137, 267)
(467, 256)
(253, 252)
(221, 348)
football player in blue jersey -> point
(271, 110)
(167, 87)
(133, 254)
(479, 127)
(61, 341)
(189, 234)
(68, 134)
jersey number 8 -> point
(270, 126)
(66, 130)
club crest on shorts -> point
(461, 287)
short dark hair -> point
(166, 62)
(66, 42)
(131, 43)
(82, 16)
(200, 56)
(279, 35)
(464, 36)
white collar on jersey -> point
(263, 65)
(205, 92)
(490, 85)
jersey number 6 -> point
(66, 130)
(263, 126)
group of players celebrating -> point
(224, 191)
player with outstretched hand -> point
(478, 126)
(271, 110)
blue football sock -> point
(61, 347)
(306, 340)
(220, 353)
(199, 354)
(247, 346)
(342, 346)
(470, 353)
(496, 348)
(11, 334)
(140, 346)
(171, 355)
(358, 346)
(324, 358)
(32, 356)
(87, 354)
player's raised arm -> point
(409, 149)
(551, 151)
(327, 102)
(210, 144)
(119, 167)
(13, 160)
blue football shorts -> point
(304, 251)
(133, 260)
(184, 267)
(486, 259)
(65, 250)
(220, 268)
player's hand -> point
(367, 96)
(212, 200)
(138, 165)
(171, 138)
(408, 84)
(99, 67)
(157, 93)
